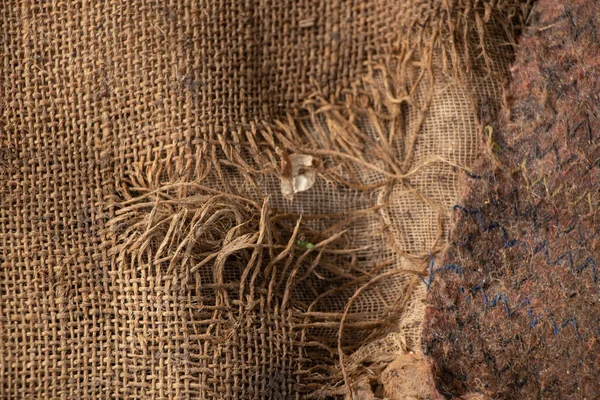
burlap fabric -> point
(146, 248)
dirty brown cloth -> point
(146, 250)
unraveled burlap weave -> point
(146, 248)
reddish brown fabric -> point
(515, 305)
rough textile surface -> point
(515, 305)
(146, 250)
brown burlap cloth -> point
(147, 249)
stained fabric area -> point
(232, 199)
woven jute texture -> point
(514, 304)
(147, 250)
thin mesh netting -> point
(147, 248)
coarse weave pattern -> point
(145, 248)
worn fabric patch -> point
(231, 200)
(514, 305)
